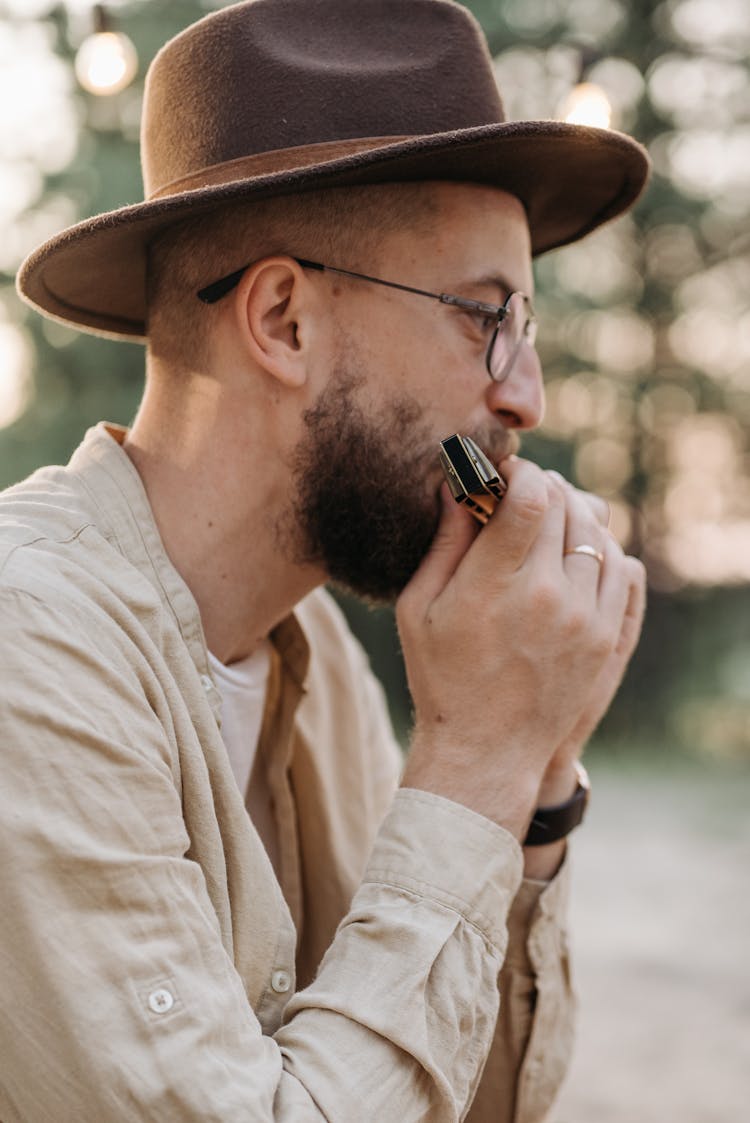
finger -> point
(621, 596)
(634, 609)
(547, 550)
(585, 541)
(504, 544)
(598, 505)
(455, 533)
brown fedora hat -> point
(272, 97)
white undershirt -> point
(242, 686)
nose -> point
(519, 399)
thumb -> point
(455, 533)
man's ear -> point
(273, 309)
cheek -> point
(421, 357)
(443, 374)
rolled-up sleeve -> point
(120, 999)
(410, 983)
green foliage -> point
(80, 379)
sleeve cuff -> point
(433, 847)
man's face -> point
(407, 373)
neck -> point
(222, 500)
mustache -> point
(497, 444)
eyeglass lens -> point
(518, 325)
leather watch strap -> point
(550, 824)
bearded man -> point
(220, 899)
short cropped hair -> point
(339, 226)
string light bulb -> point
(587, 104)
(107, 61)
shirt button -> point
(161, 1000)
(281, 981)
(206, 683)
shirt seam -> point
(43, 538)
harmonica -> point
(472, 477)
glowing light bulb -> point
(106, 63)
(587, 104)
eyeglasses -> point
(514, 321)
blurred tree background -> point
(645, 326)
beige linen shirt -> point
(164, 955)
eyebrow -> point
(491, 280)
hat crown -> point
(271, 97)
(265, 75)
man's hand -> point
(605, 687)
(560, 779)
(503, 637)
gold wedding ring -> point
(587, 551)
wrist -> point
(506, 796)
(558, 783)
(541, 863)
(551, 823)
(563, 796)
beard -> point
(367, 486)
(365, 512)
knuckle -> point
(533, 508)
(557, 487)
(637, 569)
(597, 506)
(530, 477)
(556, 496)
(577, 622)
(602, 646)
(532, 499)
(589, 508)
(545, 599)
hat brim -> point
(570, 178)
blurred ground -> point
(661, 939)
